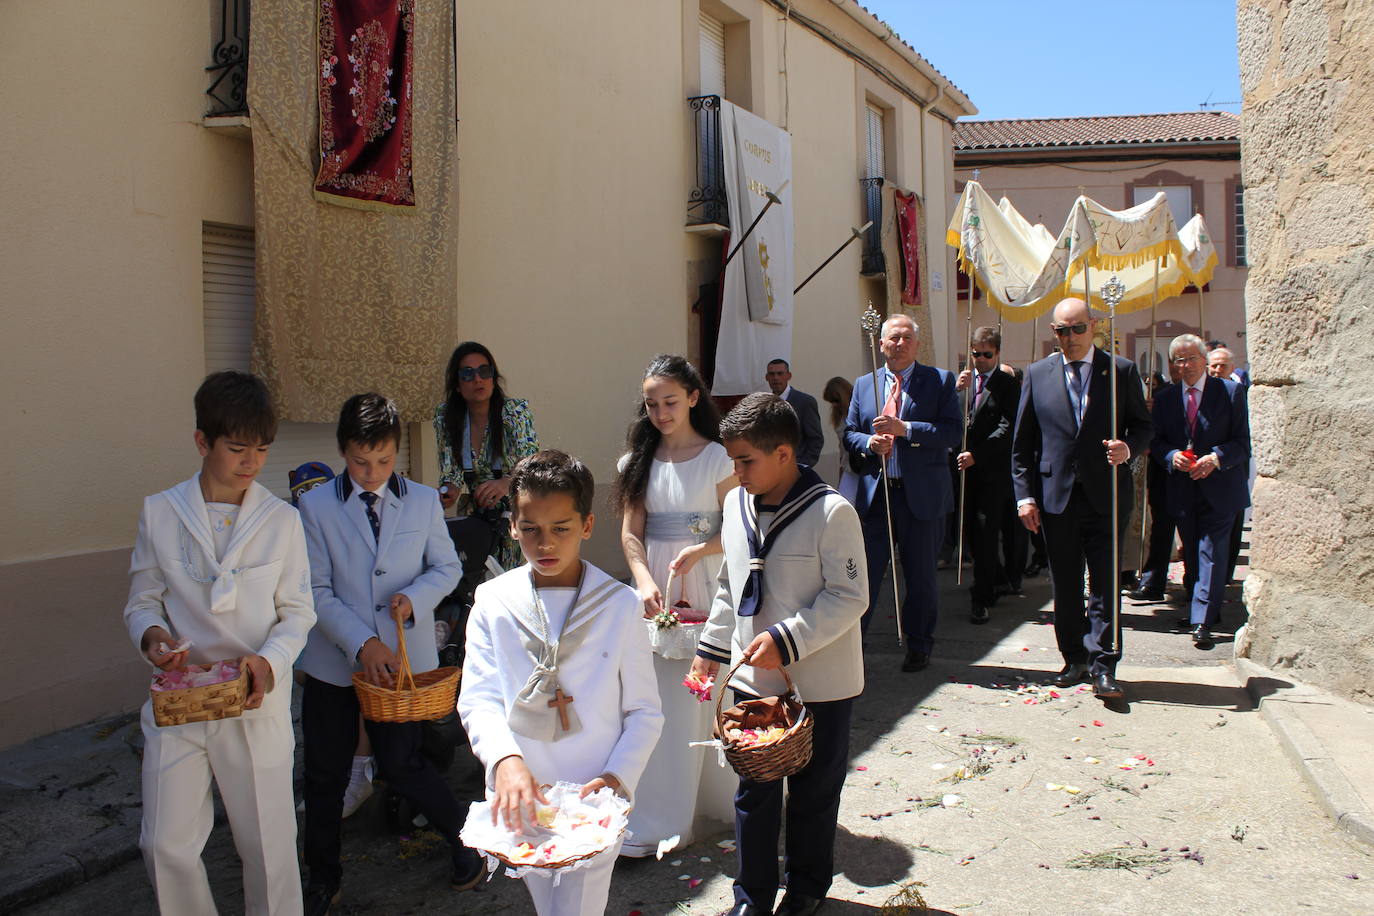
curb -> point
(103, 852)
(1314, 762)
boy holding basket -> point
(792, 590)
(219, 572)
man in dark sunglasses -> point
(990, 412)
(1063, 455)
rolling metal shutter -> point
(712, 55)
(227, 260)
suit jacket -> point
(354, 575)
(931, 408)
(990, 429)
(1050, 455)
(1223, 429)
(256, 601)
(812, 439)
(815, 590)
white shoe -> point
(359, 790)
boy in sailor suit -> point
(219, 571)
(793, 589)
(558, 681)
(379, 553)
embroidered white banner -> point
(756, 306)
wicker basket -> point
(777, 759)
(679, 642)
(201, 704)
(414, 698)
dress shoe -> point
(1145, 594)
(797, 905)
(743, 908)
(1033, 569)
(979, 614)
(319, 898)
(915, 660)
(1072, 674)
(1202, 637)
(468, 869)
(1105, 687)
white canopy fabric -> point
(1024, 271)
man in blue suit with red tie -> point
(1202, 440)
(917, 425)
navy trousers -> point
(918, 546)
(813, 810)
(1073, 537)
(1206, 536)
(329, 730)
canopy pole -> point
(1201, 316)
(1150, 387)
(1112, 292)
(968, 417)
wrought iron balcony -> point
(228, 90)
(706, 204)
(873, 263)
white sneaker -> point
(359, 789)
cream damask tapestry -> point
(349, 300)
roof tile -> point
(1103, 130)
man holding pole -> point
(911, 432)
(1063, 453)
(990, 409)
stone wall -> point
(1308, 164)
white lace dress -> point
(682, 783)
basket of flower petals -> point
(767, 738)
(199, 693)
(567, 833)
(675, 630)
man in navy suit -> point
(915, 427)
(779, 378)
(1064, 452)
(1202, 440)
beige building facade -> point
(1043, 165)
(129, 249)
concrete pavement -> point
(963, 778)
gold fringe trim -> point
(375, 206)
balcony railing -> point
(873, 263)
(706, 203)
(228, 90)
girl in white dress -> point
(669, 491)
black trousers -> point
(329, 727)
(1079, 535)
(1015, 545)
(813, 810)
(984, 516)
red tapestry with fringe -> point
(909, 234)
(364, 78)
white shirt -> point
(357, 496)
(785, 392)
(1085, 375)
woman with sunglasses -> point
(481, 435)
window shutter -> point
(712, 55)
(227, 262)
(876, 166)
(1238, 228)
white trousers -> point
(250, 760)
(579, 893)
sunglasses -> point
(979, 354)
(468, 373)
(1067, 329)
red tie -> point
(890, 409)
(1192, 411)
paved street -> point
(1000, 797)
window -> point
(1238, 227)
(1180, 200)
(712, 49)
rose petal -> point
(1097, 723)
(861, 769)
